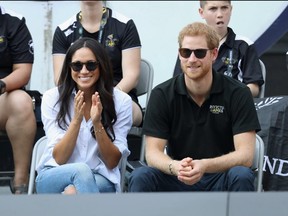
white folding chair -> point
(36, 155)
(257, 166)
(262, 88)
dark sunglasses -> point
(199, 53)
(90, 65)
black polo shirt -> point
(16, 44)
(200, 132)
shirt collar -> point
(217, 84)
(74, 92)
(230, 38)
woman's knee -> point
(82, 178)
(56, 179)
(83, 171)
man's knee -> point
(138, 175)
(241, 173)
(140, 179)
(241, 178)
(19, 97)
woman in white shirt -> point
(86, 121)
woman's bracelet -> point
(99, 130)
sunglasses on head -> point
(90, 65)
(199, 53)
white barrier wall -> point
(152, 204)
(158, 23)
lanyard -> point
(103, 22)
(105, 16)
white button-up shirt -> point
(86, 148)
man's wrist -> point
(2, 87)
(170, 167)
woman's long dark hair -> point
(104, 85)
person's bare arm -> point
(131, 59)
(65, 147)
(58, 60)
(155, 155)
(110, 154)
(254, 88)
(19, 77)
(242, 156)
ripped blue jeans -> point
(56, 179)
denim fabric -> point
(148, 179)
(56, 179)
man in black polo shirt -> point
(237, 56)
(207, 121)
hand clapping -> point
(96, 108)
(79, 105)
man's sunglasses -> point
(90, 65)
(199, 53)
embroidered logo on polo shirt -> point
(111, 41)
(216, 109)
(3, 43)
(2, 39)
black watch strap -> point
(2, 87)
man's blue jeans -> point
(148, 179)
(56, 179)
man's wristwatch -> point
(2, 87)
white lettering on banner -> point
(267, 164)
(280, 169)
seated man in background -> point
(208, 122)
(237, 56)
(16, 109)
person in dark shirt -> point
(16, 109)
(205, 121)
